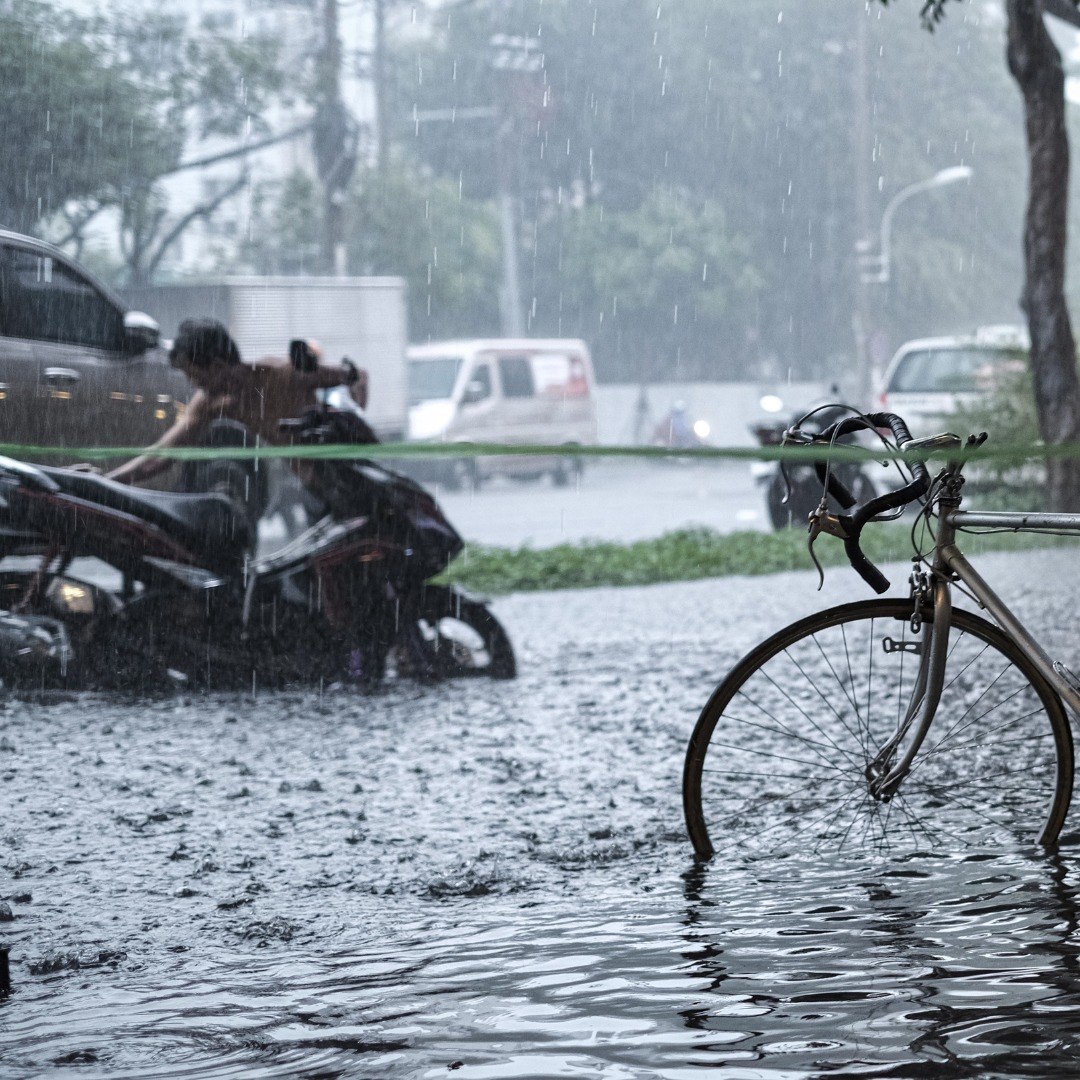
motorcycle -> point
(677, 432)
(188, 606)
(793, 489)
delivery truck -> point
(363, 318)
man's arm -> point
(185, 432)
(346, 373)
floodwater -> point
(491, 880)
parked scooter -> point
(793, 489)
(192, 608)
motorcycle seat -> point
(208, 524)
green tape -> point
(1007, 452)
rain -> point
(448, 458)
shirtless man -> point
(258, 395)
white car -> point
(930, 378)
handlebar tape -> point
(837, 488)
(853, 524)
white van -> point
(504, 390)
(930, 378)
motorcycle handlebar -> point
(853, 523)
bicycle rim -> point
(777, 761)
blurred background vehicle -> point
(77, 368)
(677, 431)
(513, 391)
(930, 378)
(362, 317)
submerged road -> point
(615, 500)
(491, 880)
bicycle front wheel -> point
(777, 763)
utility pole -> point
(378, 74)
(336, 140)
(860, 321)
(517, 60)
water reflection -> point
(494, 878)
(945, 967)
(948, 966)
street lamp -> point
(875, 268)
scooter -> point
(676, 431)
(793, 489)
(183, 603)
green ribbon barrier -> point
(1006, 453)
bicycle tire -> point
(776, 763)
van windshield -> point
(433, 379)
(953, 371)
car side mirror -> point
(141, 333)
(474, 391)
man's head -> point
(202, 342)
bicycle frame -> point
(950, 565)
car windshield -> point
(432, 379)
(953, 370)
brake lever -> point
(821, 521)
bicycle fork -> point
(885, 773)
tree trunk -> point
(1036, 65)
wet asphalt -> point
(144, 841)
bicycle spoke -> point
(783, 730)
(805, 714)
(778, 757)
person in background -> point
(258, 395)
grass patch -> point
(690, 554)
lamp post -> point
(875, 267)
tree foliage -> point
(97, 110)
(648, 285)
(405, 223)
(746, 109)
(76, 126)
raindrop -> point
(704, 271)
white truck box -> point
(363, 318)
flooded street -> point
(492, 880)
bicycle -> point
(894, 723)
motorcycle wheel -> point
(805, 497)
(800, 504)
(456, 637)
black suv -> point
(76, 368)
